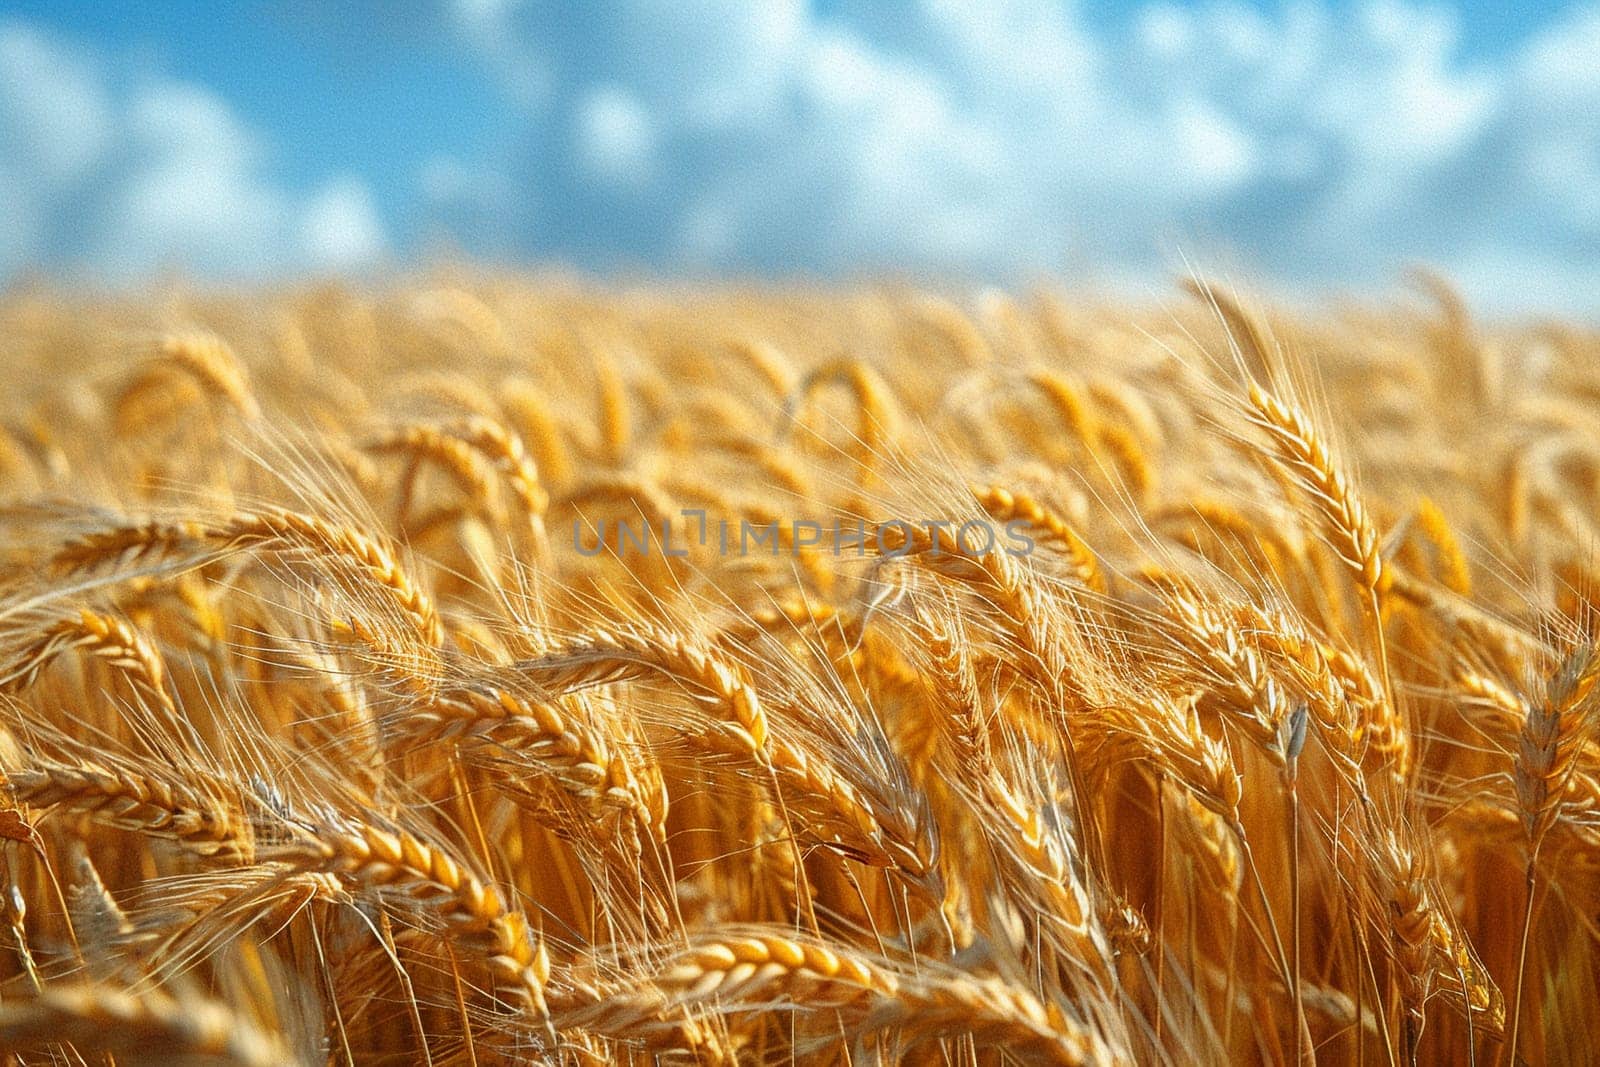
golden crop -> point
(507, 669)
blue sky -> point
(1301, 146)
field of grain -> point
(490, 669)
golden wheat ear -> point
(142, 1023)
(1306, 458)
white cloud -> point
(116, 176)
(1216, 153)
(1311, 145)
(616, 142)
(1560, 65)
(56, 114)
(341, 230)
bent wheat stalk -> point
(270, 531)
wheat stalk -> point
(142, 1025)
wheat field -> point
(493, 669)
